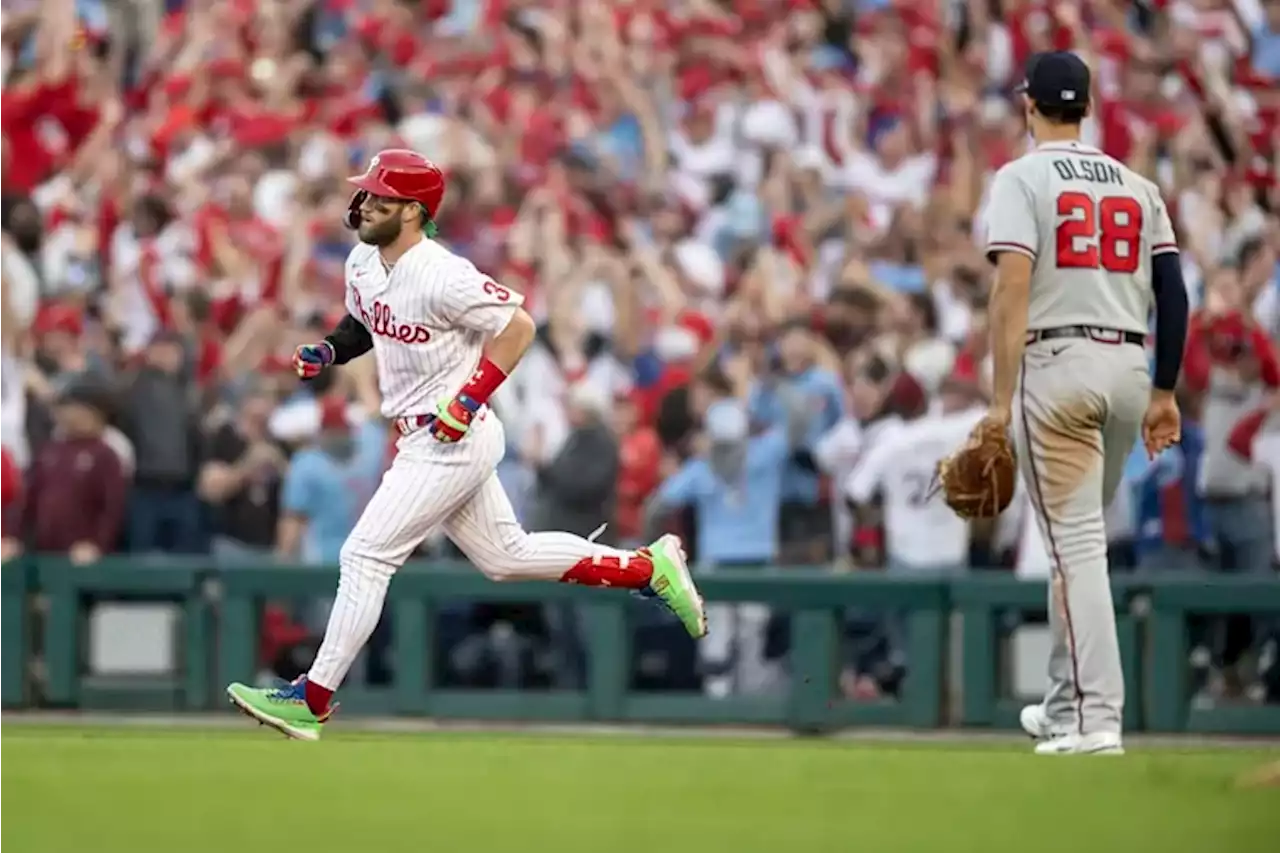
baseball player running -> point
(1083, 249)
(444, 336)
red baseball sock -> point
(632, 573)
(317, 698)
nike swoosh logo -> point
(1057, 351)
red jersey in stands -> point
(43, 124)
(247, 234)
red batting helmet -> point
(398, 173)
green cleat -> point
(672, 583)
(283, 708)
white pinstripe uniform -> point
(1091, 227)
(429, 318)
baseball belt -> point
(412, 423)
(1098, 334)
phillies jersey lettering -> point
(381, 321)
(429, 317)
(1091, 226)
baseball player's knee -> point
(506, 564)
(512, 559)
(358, 555)
(515, 541)
(1081, 543)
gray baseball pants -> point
(1077, 414)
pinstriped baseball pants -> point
(430, 485)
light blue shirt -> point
(331, 493)
(904, 278)
(623, 142)
(464, 17)
(1266, 52)
(826, 397)
(737, 522)
(328, 26)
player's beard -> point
(380, 233)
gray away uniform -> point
(1091, 227)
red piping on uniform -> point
(1057, 559)
(1005, 244)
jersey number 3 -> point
(1103, 233)
(497, 291)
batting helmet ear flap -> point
(352, 219)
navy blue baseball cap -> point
(1057, 79)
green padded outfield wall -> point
(218, 642)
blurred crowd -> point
(749, 230)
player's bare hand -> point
(1162, 425)
(996, 418)
(310, 359)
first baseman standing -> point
(445, 336)
(1084, 250)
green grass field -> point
(189, 791)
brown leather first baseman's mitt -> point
(978, 480)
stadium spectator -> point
(805, 526)
(639, 462)
(735, 482)
(577, 487)
(240, 481)
(1231, 363)
(77, 490)
(734, 479)
(326, 486)
(158, 411)
(1265, 56)
(901, 470)
(576, 490)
